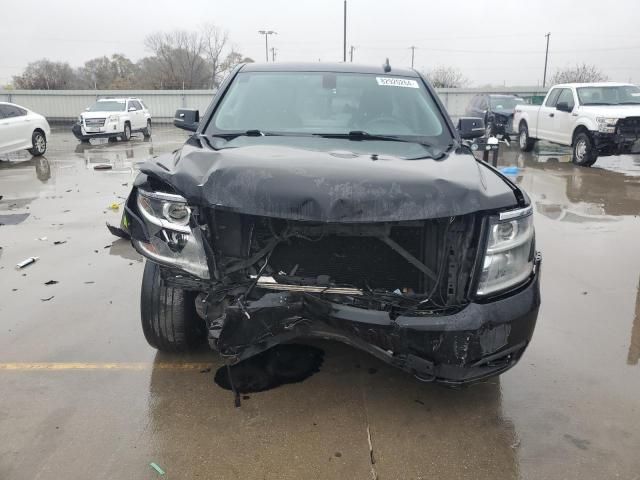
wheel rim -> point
(581, 150)
(523, 138)
(127, 131)
(40, 143)
(149, 128)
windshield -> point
(623, 95)
(505, 103)
(108, 106)
(325, 103)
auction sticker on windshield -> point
(397, 82)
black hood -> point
(298, 183)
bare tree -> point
(215, 41)
(447, 77)
(46, 75)
(117, 72)
(580, 74)
(179, 58)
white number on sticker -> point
(397, 82)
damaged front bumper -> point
(481, 340)
(471, 338)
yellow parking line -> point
(103, 366)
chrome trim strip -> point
(169, 197)
(521, 212)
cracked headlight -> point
(172, 241)
(508, 260)
(606, 124)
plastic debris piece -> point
(27, 262)
(43, 239)
(59, 242)
(89, 282)
(51, 282)
(157, 468)
(47, 299)
(103, 166)
(114, 206)
(510, 170)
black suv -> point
(335, 201)
(497, 112)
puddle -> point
(291, 363)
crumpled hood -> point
(300, 184)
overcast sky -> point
(491, 42)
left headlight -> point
(114, 118)
(509, 257)
(172, 240)
(606, 124)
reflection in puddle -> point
(277, 366)
(634, 346)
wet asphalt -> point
(83, 396)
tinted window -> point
(566, 96)
(552, 98)
(135, 105)
(10, 111)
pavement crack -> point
(372, 458)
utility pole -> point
(273, 54)
(546, 57)
(413, 53)
(351, 54)
(344, 38)
(266, 34)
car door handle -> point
(552, 114)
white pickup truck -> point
(595, 119)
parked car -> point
(335, 201)
(22, 129)
(496, 110)
(595, 119)
(113, 118)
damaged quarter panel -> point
(336, 201)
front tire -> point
(126, 136)
(39, 142)
(584, 153)
(169, 319)
(146, 133)
(525, 142)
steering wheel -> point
(386, 120)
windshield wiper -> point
(362, 135)
(247, 133)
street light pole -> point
(344, 37)
(266, 34)
(413, 52)
(351, 49)
(546, 57)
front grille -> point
(94, 122)
(363, 262)
(629, 127)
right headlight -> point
(172, 240)
(509, 257)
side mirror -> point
(187, 119)
(563, 107)
(133, 109)
(470, 127)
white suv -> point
(113, 117)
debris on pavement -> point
(42, 239)
(118, 232)
(157, 468)
(510, 170)
(27, 262)
(47, 299)
(51, 282)
(103, 166)
(114, 206)
(59, 242)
